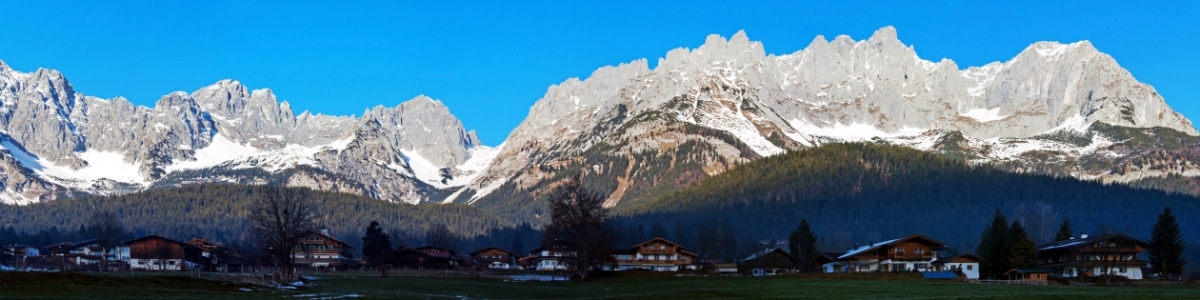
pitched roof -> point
(942, 260)
(768, 251)
(490, 248)
(658, 239)
(1082, 242)
(865, 248)
(130, 242)
(344, 244)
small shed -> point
(1028, 274)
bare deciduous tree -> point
(108, 229)
(1038, 219)
(439, 235)
(578, 218)
(277, 217)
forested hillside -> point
(218, 212)
(862, 192)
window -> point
(899, 251)
(919, 251)
(969, 267)
(1122, 270)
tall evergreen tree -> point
(1022, 253)
(802, 243)
(1064, 231)
(517, 245)
(1166, 245)
(993, 245)
(376, 244)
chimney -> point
(325, 231)
(1083, 235)
(855, 246)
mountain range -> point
(636, 132)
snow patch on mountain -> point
(220, 150)
(984, 115)
(100, 165)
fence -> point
(1011, 282)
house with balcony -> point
(658, 254)
(154, 252)
(494, 258)
(318, 249)
(1109, 254)
(553, 256)
(914, 252)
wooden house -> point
(657, 254)
(1111, 254)
(914, 252)
(413, 259)
(769, 262)
(318, 249)
(214, 256)
(154, 252)
(494, 258)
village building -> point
(965, 264)
(552, 256)
(913, 252)
(319, 250)
(162, 254)
(1032, 275)
(1110, 254)
(657, 254)
(769, 262)
(827, 261)
(214, 256)
(21, 253)
(494, 258)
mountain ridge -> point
(638, 132)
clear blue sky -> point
(490, 61)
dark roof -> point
(942, 260)
(490, 248)
(344, 244)
(825, 256)
(204, 241)
(658, 239)
(769, 251)
(869, 247)
(130, 242)
(1092, 239)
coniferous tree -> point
(376, 244)
(1064, 231)
(517, 246)
(993, 245)
(1166, 245)
(1022, 253)
(802, 243)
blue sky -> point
(490, 61)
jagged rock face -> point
(73, 143)
(842, 90)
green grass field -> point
(83, 286)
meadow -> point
(153, 286)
